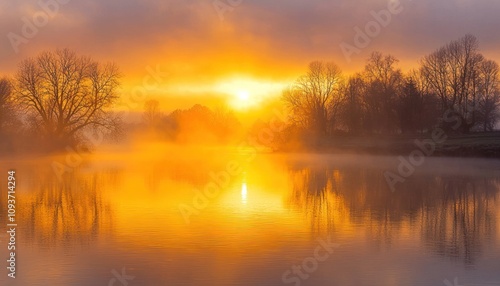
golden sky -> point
(249, 51)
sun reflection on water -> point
(244, 193)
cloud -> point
(272, 39)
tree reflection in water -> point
(71, 210)
(455, 215)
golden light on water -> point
(131, 205)
(244, 193)
(206, 144)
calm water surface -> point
(117, 212)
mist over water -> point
(246, 143)
(123, 209)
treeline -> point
(56, 100)
(196, 125)
(455, 88)
(62, 101)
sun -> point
(242, 99)
(246, 93)
(243, 95)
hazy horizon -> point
(249, 142)
(260, 45)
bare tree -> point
(152, 114)
(65, 95)
(453, 73)
(10, 125)
(353, 107)
(383, 81)
(225, 123)
(382, 69)
(410, 106)
(488, 95)
(430, 110)
(6, 104)
(315, 98)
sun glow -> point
(242, 99)
(245, 93)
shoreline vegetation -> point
(473, 145)
(60, 101)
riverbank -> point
(481, 145)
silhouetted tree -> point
(352, 114)
(430, 111)
(65, 95)
(460, 76)
(225, 123)
(314, 99)
(9, 122)
(6, 104)
(410, 107)
(382, 68)
(488, 101)
(152, 114)
(383, 81)
(200, 124)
